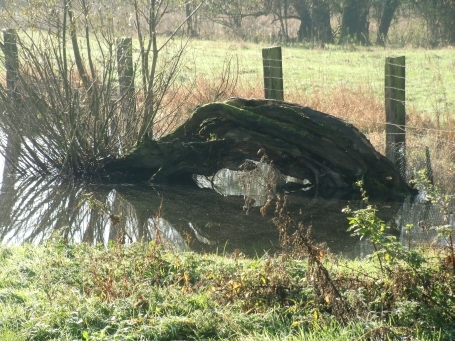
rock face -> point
(303, 143)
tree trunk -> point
(321, 21)
(306, 23)
(189, 23)
(301, 142)
(450, 22)
(390, 8)
(354, 22)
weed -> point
(413, 285)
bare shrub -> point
(70, 116)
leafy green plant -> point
(366, 224)
(414, 289)
(444, 202)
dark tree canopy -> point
(301, 142)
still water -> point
(210, 219)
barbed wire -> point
(426, 138)
(281, 90)
(394, 88)
(281, 78)
(401, 126)
(399, 65)
(272, 59)
(435, 139)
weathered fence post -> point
(126, 80)
(10, 52)
(273, 73)
(395, 109)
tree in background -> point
(386, 10)
(191, 21)
(321, 15)
(231, 14)
(314, 16)
(439, 16)
(280, 10)
(355, 22)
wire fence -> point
(418, 151)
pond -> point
(188, 217)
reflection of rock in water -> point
(186, 217)
(206, 220)
(165, 234)
(256, 181)
(198, 236)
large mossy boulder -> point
(301, 142)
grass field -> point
(430, 74)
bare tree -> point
(314, 16)
(231, 14)
(387, 12)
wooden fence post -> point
(273, 73)
(395, 109)
(13, 145)
(126, 80)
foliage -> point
(444, 202)
(232, 13)
(439, 19)
(418, 287)
(365, 223)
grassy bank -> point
(61, 291)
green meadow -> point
(430, 74)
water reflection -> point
(256, 184)
(35, 209)
(186, 218)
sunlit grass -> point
(141, 292)
(430, 74)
